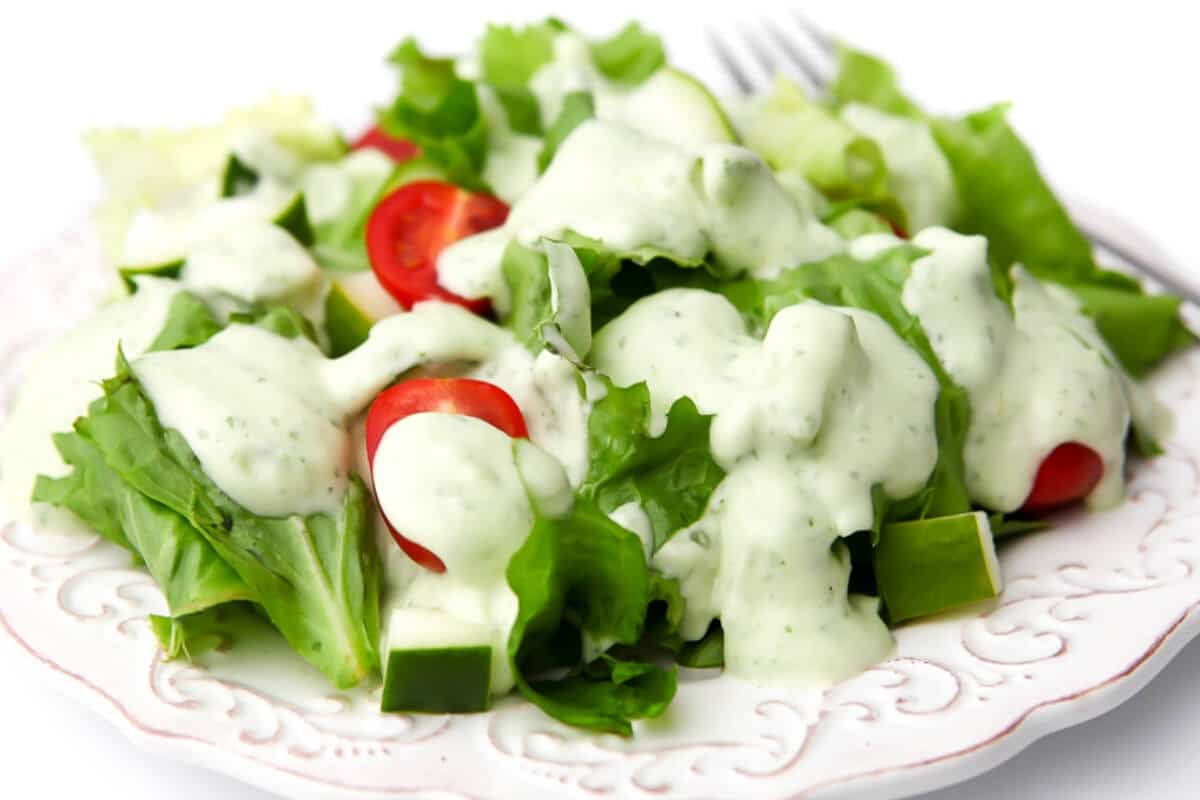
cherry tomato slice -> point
(398, 150)
(412, 225)
(1068, 474)
(471, 398)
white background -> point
(1105, 92)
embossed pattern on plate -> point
(1091, 611)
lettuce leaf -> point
(440, 113)
(534, 317)
(192, 576)
(189, 323)
(509, 56)
(671, 476)
(577, 108)
(876, 286)
(315, 576)
(863, 78)
(153, 169)
(215, 629)
(791, 132)
(1006, 199)
(577, 575)
(629, 56)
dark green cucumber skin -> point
(446, 680)
(169, 269)
(346, 328)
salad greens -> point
(141, 487)
(583, 578)
(600, 599)
(1006, 199)
(671, 475)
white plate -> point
(1092, 610)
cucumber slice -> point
(167, 269)
(237, 178)
(675, 107)
(933, 565)
(355, 302)
(436, 663)
(294, 219)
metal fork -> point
(810, 54)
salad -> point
(567, 374)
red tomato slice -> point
(1068, 474)
(471, 398)
(412, 225)
(398, 150)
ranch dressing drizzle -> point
(829, 404)
(459, 487)
(1036, 376)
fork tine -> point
(822, 39)
(761, 53)
(797, 56)
(729, 62)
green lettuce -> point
(577, 108)
(189, 323)
(791, 132)
(1005, 198)
(153, 169)
(315, 576)
(192, 576)
(508, 58)
(579, 576)
(439, 112)
(862, 78)
(671, 476)
(532, 316)
(629, 56)
(216, 629)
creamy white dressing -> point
(918, 171)
(829, 404)
(547, 389)
(638, 195)
(454, 485)
(257, 262)
(668, 105)
(60, 384)
(329, 189)
(511, 166)
(1036, 377)
(160, 237)
(267, 416)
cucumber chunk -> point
(933, 565)
(355, 302)
(436, 663)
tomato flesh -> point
(412, 225)
(395, 148)
(1068, 474)
(465, 396)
